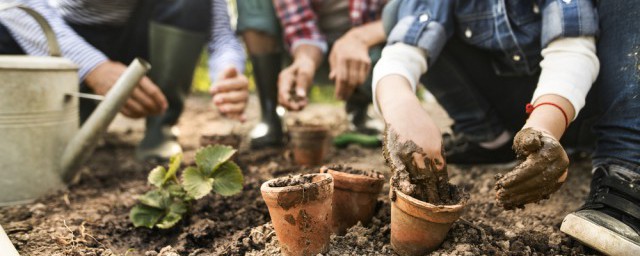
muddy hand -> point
(414, 172)
(542, 172)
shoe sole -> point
(598, 237)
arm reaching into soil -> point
(569, 68)
(412, 144)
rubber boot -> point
(357, 112)
(174, 55)
(268, 133)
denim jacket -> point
(514, 31)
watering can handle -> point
(52, 41)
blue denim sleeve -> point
(568, 18)
(426, 24)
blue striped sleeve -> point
(29, 36)
(224, 48)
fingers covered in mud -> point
(415, 173)
(541, 173)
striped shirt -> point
(223, 47)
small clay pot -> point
(354, 197)
(300, 209)
(309, 144)
(232, 140)
(417, 227)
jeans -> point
(484, 104)
(130, 41)
(618, 86)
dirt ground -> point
(91, 217)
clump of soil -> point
(351, 170)
(415, 174)
(232, 140)
(291, 180)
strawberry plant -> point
(165, 205)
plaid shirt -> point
(299, 20)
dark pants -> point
(127, 42)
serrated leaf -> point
(174, 164)
(196, 183)
(211, 157)
(169, 220)
(228, 179)
(156, 176)
(155, 198)
(178, 207)
(145, 216)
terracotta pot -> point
(417, 227)
(232, 140)
(309, 144)
(301, 213)
(354, 197)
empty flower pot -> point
(355, 196)
(417, 227)
(300, 209)
(309, 143)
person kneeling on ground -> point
(349, 30)
(485, 62)
(99, 37)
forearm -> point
(549, 118)
(309, 55)
(370, 34)
(224, 48)
(392, 92)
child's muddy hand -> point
(542, 172)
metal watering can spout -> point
(83, 143)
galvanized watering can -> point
(41, 144)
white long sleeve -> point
(569, 68)
(29, 36)
(401, 59)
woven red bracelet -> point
(530, 108)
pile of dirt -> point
(91, 217)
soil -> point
(232, 140)
(291, 181)
(351, 170)
(91, 217)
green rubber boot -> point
(174, 54)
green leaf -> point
(196, 183)
(174, 164)
(175, 190)
(145, 216)
(169, 220)
(211, 157)
(228, 179)
(155, 198)
(156, 176)
(176, 210)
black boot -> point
(268, 132)
(357, 112)
(610, 219)
(174, 54)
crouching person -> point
(485, 62)
(348, 34)
(99, 37)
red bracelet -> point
(530, 108)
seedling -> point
(167, 203)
